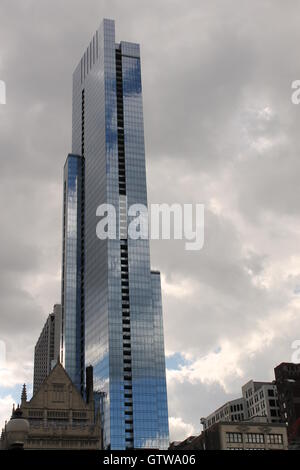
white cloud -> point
(179, 430)
(6, 404)
(15, 373)
(183, 288)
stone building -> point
(58, 416)
(234, 410)
(262, 400)
(246, 435)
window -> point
(58, 392)
(275, 439)
(256, 448)
(58, 415)
(254, 438)
(234, 437)
(271, 393)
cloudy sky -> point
(220, 129)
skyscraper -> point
(72, 338)
(111, 297)
(47, 348)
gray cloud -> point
(220, 130)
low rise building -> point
(58, 416)
(259, 402)
(247, 435)
(234, 410)
(262, 400)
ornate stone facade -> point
(58, 416)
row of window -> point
(237, 407)
(253, 438)
(248, 448)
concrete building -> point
(15, 433)
(262, 400)
(287, 377)
(47, 348)
(234, 410)
(258, 403)
(238, 436)
(58, 416)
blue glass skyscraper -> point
(114, 298)
(72, 328)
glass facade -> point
(72, 353)
(121, 296)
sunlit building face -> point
(111, 298)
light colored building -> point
(262, 400)
(238, 436)
(250, 436)
(47, 349)
(234, 410)
(58, 416)
(258, 403)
